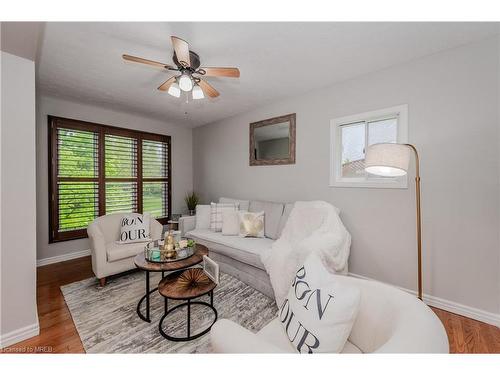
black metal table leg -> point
(189, 318)
(147, 296)
(146, 317)
(189, 337)
(172, 287)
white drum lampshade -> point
(387, 159)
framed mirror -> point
(272, 141)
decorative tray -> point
(153, 252)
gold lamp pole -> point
(392, 160)
(419, 218)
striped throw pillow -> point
(216, 210)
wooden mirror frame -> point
(290, 118)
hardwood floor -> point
(58, 333)
(57, 330)
(468, 335)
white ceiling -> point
(83, 60)
(21, 38)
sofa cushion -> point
(242, 204)
(230, 223)
(216, 210)
(286, 213)
(115, 251)
(203, 216)
(272, 215)
(246, 250)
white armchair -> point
(389, 321)
(108, 257)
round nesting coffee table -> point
(186, 285)
(141, 262)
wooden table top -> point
(141, 262)
(187, 284)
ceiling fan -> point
(188, 64)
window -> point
(350, 137)
(98, 169)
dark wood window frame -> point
(59, 122)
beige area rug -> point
(107, 321)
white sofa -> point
(108, 257)
(238, 256)
(389, 321)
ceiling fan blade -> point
(166, 85)
(208, 89)
(181, 48)
(140, 60)
(221, 72)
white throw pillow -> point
(230, 223)
(320, 309)
(251, 224)
(202, 216)
(134, 228)
(216, 210)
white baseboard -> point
(19, 335)
(454, 307)
(62, 258)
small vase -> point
(192, 212)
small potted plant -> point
(191, 202)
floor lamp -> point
(392, 160)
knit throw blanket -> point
(312, 227)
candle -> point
(177, 235)
(155, 255)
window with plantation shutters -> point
(77, 187)
(155, 177)
(120, 166)
(98, 169)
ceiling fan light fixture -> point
(197, 92)
(185, 82)
(188, 67)
(174, 90)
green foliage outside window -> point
(77, 157)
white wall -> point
(182, 162)
(19, 318)
(453, 120)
